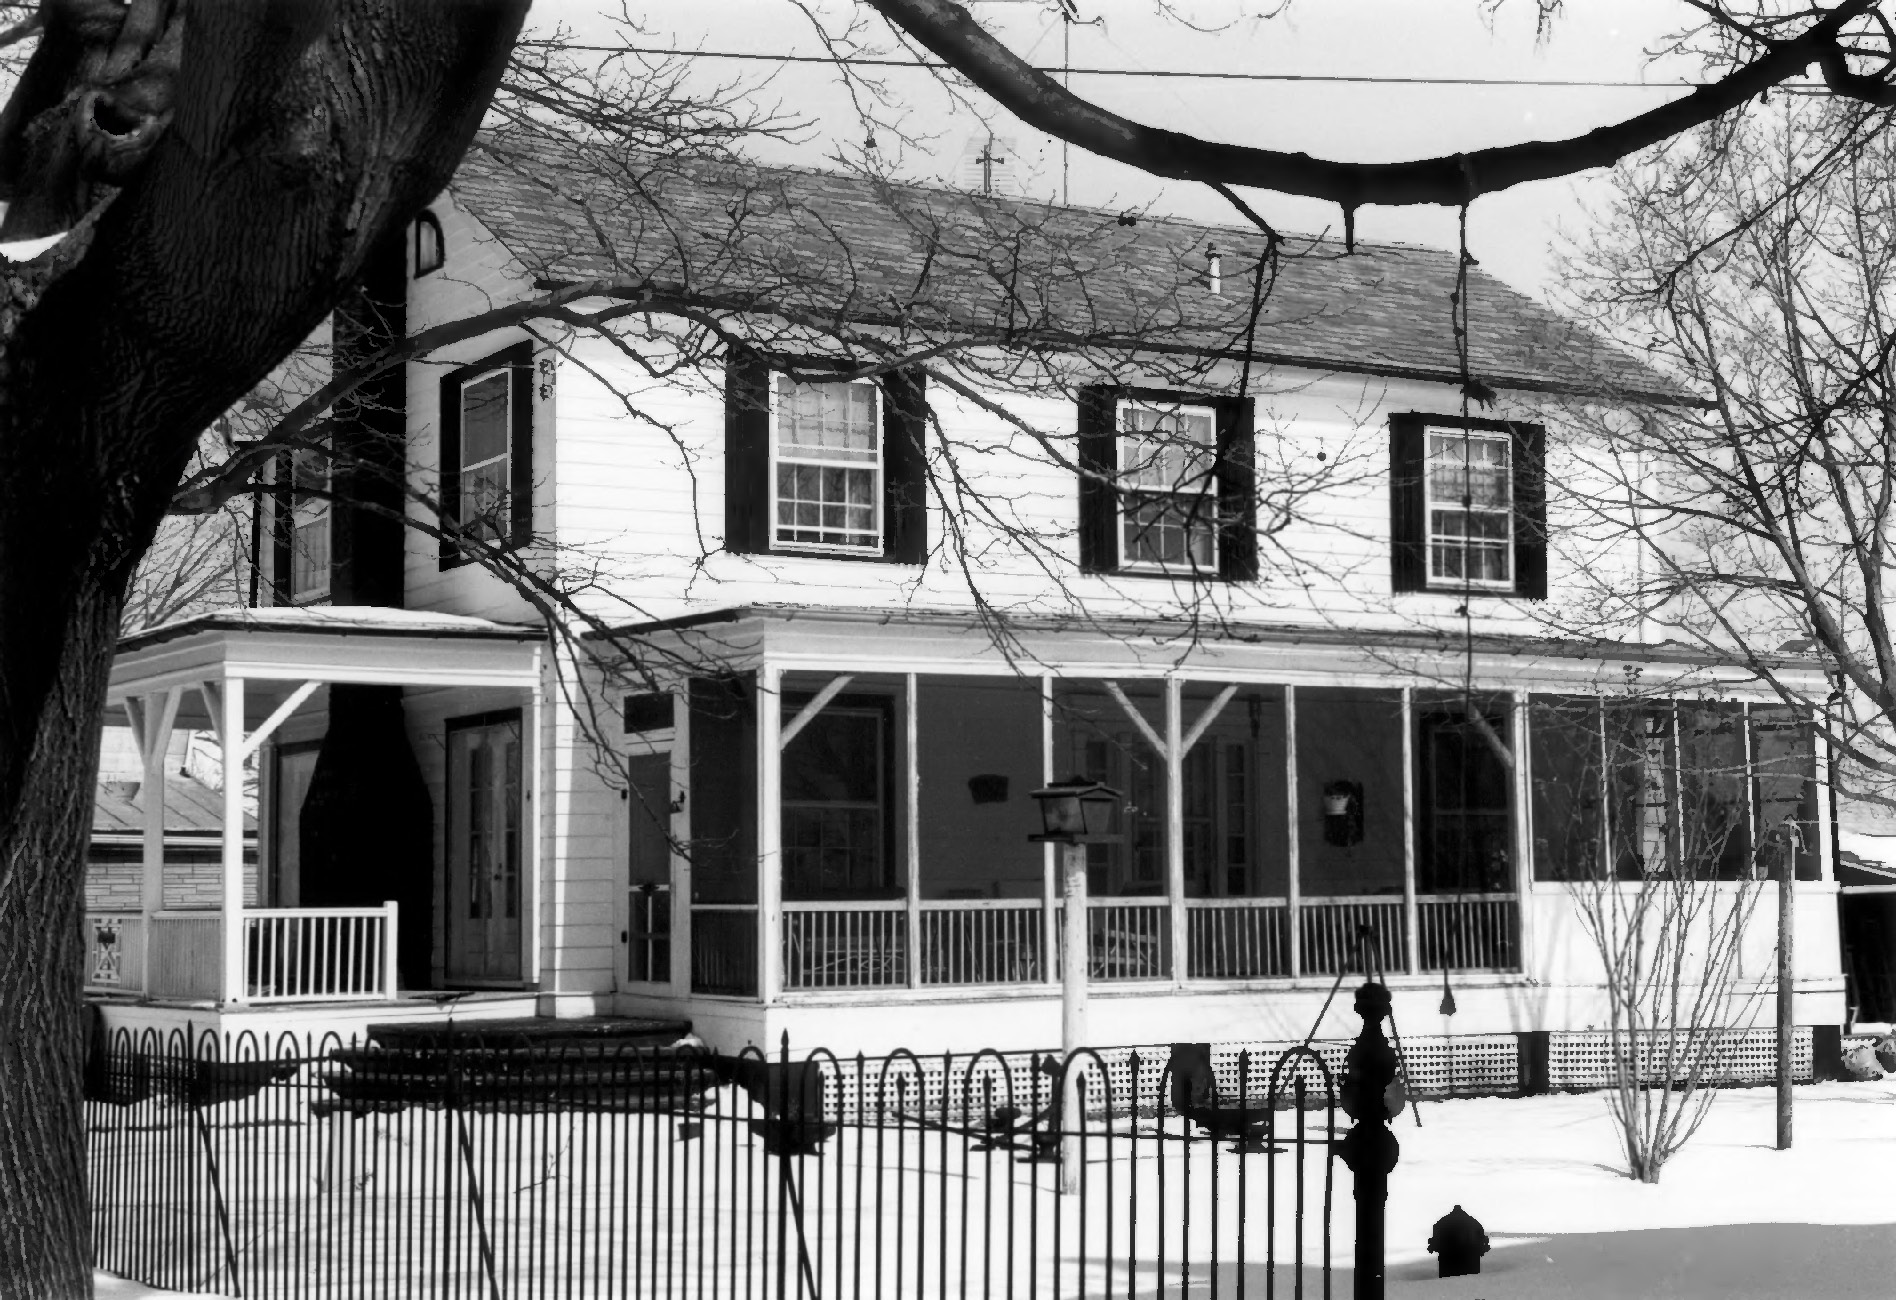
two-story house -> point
(874, 509)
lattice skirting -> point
(1127, 1080)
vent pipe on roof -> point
(1214, 269)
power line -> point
(934, 64)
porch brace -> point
(808, 712)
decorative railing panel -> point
(187, 955)
(989, 942)
(115, 952)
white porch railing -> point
(1237, 938)
(1469, 931)
(319, 954)
(845, 945)
(1127, 939)
(1327, 928)
(983, 941)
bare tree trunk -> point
(301, 134)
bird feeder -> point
(1075, 811)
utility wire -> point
(937, 65)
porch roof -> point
(327, 644)
(959, 641)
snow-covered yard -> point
(1731, 1218)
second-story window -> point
(824, 467)
(487, 454)
(1167, 485)
(1468, 506)
(309, 525)
(826, 451)
(1470, 503)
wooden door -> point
(648, 870)
(485, 883)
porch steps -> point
(601, 1063)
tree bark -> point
(301, 134)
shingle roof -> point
(191, 808)
(948, 262)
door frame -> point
(528, 831)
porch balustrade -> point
(297, 954)
(868, 945)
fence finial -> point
(1370, 1149)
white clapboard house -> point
(1297, 611)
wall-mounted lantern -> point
(1075, 811)
(1343, 813)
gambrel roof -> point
(943, 262)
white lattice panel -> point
(1731, 1056)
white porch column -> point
(1293, 885)
(230, 736)
(680, 824)
(538, 824)
(152, 718)
(1049, 904)
(1175, 827)
(1523, 830)
(912, 772)
(1411, 911)
(769, 833)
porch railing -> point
(983, 941)
(845, 945)
(115, 952)
(187, 955)
(866, 944)
(1237, 938)
(319, 954)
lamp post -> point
(1073, 813)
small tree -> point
(1642, 808)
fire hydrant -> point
(1460, 1241)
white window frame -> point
(880, 467)
(1123, 490)
(505, 457)
(1429, 504)
(308, 516)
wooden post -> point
(1175, 829)
(152, 718)
(1049, 914)
(391, 915)
(1072, 1012)
(1293, 885)
(1786, 988)
(1411, 909)
(231, 746)
(769, 865)
(912, 770)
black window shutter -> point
(1530, 511)
(520, 445)
(1237, 491)
(746, 451)
(1408, 530)
(905, 467)
(282, 527)
(1099, 465)
(450, 466)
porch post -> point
(1411, 910)
(769, 833)
(1049, 917)
(1293, 900)
(152, 722)
(680, 826)
(1175, 828)
(1523, 829)
(231, 747)
(912, 770)
(534, 825)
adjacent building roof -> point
(360, 620)
(943, 261)
(192, 809)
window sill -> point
(863, 556)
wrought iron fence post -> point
(1370, 1149)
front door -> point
(648, 926)
(484, 849)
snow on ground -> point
(1731, 1217)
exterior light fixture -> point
(1076, 811)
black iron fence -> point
(506, 1168)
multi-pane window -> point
(835, 806)
(827, 464)
(1168, 482)
(486, 496)
(1470, 507)
(309, 524)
